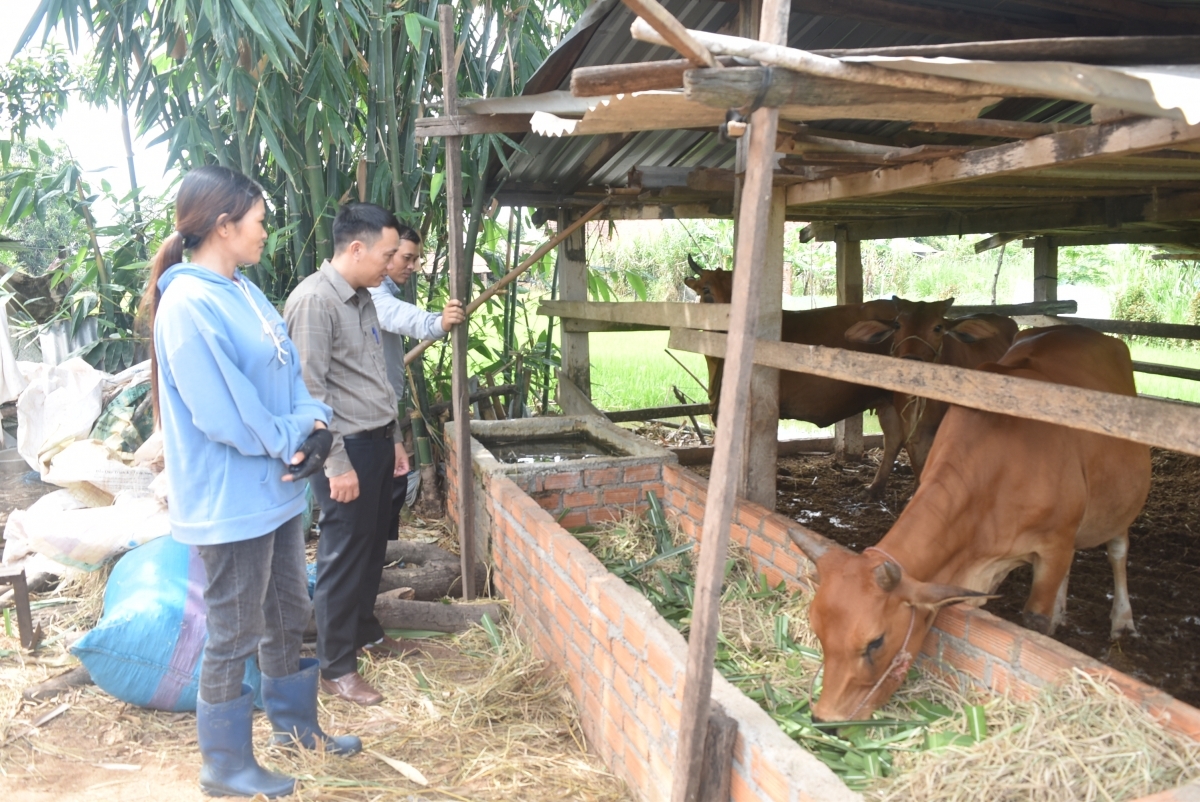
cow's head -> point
(871, 619)
(713, 286)
(920, 328)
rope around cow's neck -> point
(900, 663)
(937, 352)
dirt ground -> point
(1164, 562)
(477, 714)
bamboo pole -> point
(460, 277)
(809, 63)
(513, 274)
(730, 444)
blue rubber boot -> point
(229, 767)
(291, 704)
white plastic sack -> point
(96, 475)
(59, 406)
(86, 538)
(11, 380)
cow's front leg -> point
(1050, 570)
(893, 439)
(1122, 612)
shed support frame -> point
(573, 286)
(848, 433)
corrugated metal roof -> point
(552, 168)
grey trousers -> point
(257, 598)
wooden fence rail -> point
(1155, 423)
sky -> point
(92, 134)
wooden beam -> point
(1015, 310)
(1170, 331)
(1121, 237)
(1128, 11)
(762, 468)
(848, 433)
(703, 455)
(613, 79)
(808, 63)
(739, 86)
(672, 31)
(754, 216)
(649, 413)
(573, 286)
(1068, 147)
(970, 25)
(1175, 257)
(1079, 49)
(659, 314)
(1045, 269)
(468, 124)
(572, 400)
(995, 241)
(1174, 371)
(1160, 208)
(719, 746)
(1141, 420)
(460, 288)
(1004, 129)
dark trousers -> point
(257, 599)
(350, 556)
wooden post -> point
(460, 286)
(728, 455)
(762, 437)
(1045, 269)
(847, 434)
(572, 286)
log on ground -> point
(400, 614)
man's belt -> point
(382, 433)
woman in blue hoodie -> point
(239, 429)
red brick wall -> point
(625, 665)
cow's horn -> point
(692, 264)
(887, 576)
(813, 545)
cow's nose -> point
(817, 719)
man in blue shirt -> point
(400, 319)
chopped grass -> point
(1082, 739)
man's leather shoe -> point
(352, 688)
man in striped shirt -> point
(336, 329)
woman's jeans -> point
(257, 597)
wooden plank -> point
(468, 124)
(1045, 270)
(848, 433)
(573, 286)
(751, 252)
(1079, 49)
(660, 314)
(702, 455)
(460, 288)
(1068, 147)
(649, 413)
(808, 63)
(1167, 370)
(672, 31)
(1141, 420)
(995, 241)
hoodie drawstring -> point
(268, 329)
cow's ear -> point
(972, 329)
(870, 331)
(946, 304)
(929, 596)
(692, 283)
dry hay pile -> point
(1081, 739)
(477, 717)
